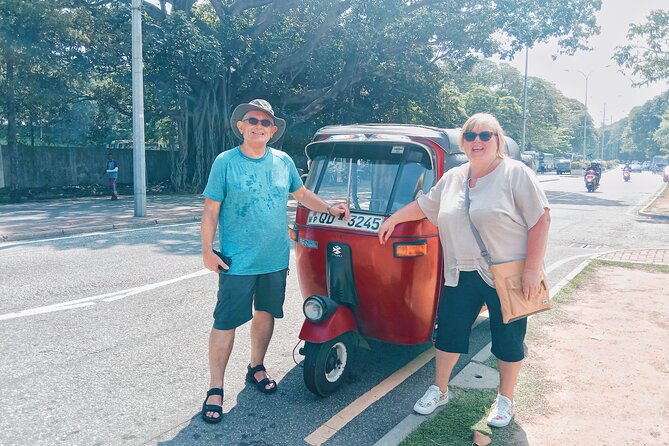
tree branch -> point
(350, 76)
(270, 15)
(154, 11)
(240, 6)
(299, 56)
(219, 8)
(419, 4)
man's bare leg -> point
(262, 327)
(220, 348)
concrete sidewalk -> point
(57, 218)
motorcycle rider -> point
(595, 168)
(627, 170)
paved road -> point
(105, 335)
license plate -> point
(359, 222)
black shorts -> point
(459, 307)
(236, 295)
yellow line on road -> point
(347, 414)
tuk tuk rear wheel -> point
(326, 365)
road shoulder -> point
(594, 373)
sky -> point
(609, 90)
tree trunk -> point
(32, 132)
(203, 133)
(14, 195)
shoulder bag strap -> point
(477, 236)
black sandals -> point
(263, 383)
(212, 407)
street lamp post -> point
(525, 100)
(585, 108)
(603, 124)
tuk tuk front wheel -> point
(326, 365)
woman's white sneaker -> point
(432, 399)
(501, 412)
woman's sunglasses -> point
(483, 136)
(255, 121)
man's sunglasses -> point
(255, 121)
(483, 136)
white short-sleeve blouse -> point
(504, 205)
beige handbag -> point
(508, 281)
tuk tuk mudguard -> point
(340, 322)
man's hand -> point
(212, 262)
(338, 209)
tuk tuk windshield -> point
(378, 177)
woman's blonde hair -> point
(484, 120)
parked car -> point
(636, 167)
(563, 165)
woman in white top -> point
(511, 212)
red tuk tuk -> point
(355, 288)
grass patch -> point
(468, 408)
(455, 424)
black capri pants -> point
(458, 309)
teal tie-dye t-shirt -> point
(252, 223)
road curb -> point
(644, 211)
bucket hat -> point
(260, 105)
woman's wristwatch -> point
(328, 209)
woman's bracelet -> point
(328, 209)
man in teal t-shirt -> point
(246, 198)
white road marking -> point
(559, 263)
(108, 297)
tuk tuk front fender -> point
(340, 322)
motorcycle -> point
(591, 180)
(626, 175)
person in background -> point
(511, 212)
(246, 197)
(111, 172)
(597, 169)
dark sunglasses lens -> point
(255, 121)
(485, 136)
(470, 136)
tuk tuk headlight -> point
(318, 308)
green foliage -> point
(554, 122)
(661, 135)
(317, 61)
(648, 54)
(638, 139)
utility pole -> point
(603, 124)
(585, 110)
(139, 161)
(585, 115)
(525, 100)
